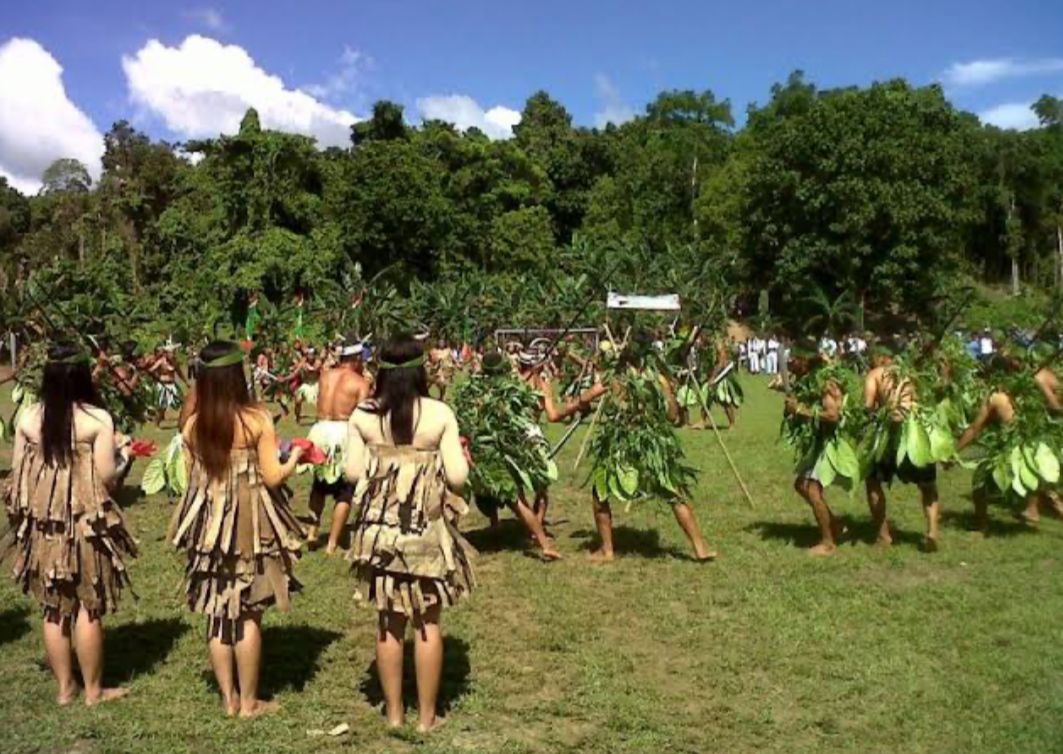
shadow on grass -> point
(510, 534)
(996, 527)
(291, 656)
(807, 535)
(452, 687)
(137, 648)
(645, 543)
(13, 624)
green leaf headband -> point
(415, 362)
(75, 358)
(236, 356)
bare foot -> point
(706, 556)
(822, 550)
(259, 708)
(884, 540)
(437, 723)
(330, 550)
(601, 556)
(930, 544)
(231, 706)
(105, 695)
(550, 554)
(63, 698)
(1031, 518)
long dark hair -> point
(66, 383)
(221, 396)
(397, 389)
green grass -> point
(765, 650)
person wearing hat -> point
(340, 390)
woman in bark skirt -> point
(235, 524)
(406, 457)
(68, 540)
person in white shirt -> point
(828, 346)
(754, 345)
(771, 361)
(985, 345)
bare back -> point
(92, 426)
(435, 428)
(340, 391)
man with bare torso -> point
(1000, 409)
(308, 370)
(884, 387)
(166, 371)
(340, 391)
(441, 367)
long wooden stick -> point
(590, 431)
(565, 437)
(726, 453)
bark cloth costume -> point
(68, 538)
(406, 550)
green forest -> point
(885, 197)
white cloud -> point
(1017, 115)
(38, 122)
(352, 63)
(208, 17)
(464, 112)
(202, 88)
(613, 108)
(981, 72)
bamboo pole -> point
(726, 453)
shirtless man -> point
(341, 390)
(999, 408)
(308, 369)
(441, 367)
(117, 368)
(828, 415)
(167, 372)
(885, 388)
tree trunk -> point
(1059, 255)
(1013, 251)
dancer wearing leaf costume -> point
(1021, 438)
(68, 539)
(341, 389)
(721, 385)
(234, 523)
(818, 423)
(906, 439)
(511, 461)
(405, 455)
(635, 450)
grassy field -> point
(765, 650)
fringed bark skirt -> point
(242, 542)
(406, 551)
(67, 539)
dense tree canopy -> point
(884, 196)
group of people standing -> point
(402, 456)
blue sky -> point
(475, 62)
